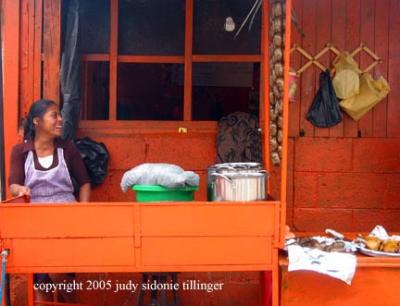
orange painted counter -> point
(115, 237)
(376, 282)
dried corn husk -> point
(277, 55)
(273, 143)
(277, 9)
(280, 122)
(273, 129)
(277, 40)
(276, 160)
(280, 84)
(279, 137)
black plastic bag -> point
(95, 156)
(324, 112)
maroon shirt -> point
(72, 157)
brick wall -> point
(350, 184)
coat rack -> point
(313, 60)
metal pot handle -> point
(264, 171)
(223, 176)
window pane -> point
(223, 88)
(95, 26)
(95, 90)
(210, 36)
(150, 92)
(151, 27)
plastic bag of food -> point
(166, 175)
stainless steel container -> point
(236, 182)
(239, 186)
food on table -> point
(372, 243)
(390, 246)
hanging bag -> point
(324, 111)
(371, 92)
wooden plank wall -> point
(348, 176)
(345, 24)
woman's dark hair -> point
(37, 110)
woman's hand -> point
(20, 190)
(84, 193)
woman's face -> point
(51, 123)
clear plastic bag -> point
(166, 175)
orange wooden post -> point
(10, 36)
(285, 128)
(188, 78)
(51, 49)
(31, 293)
(113, 60)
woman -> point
(42, 168)
(43, 165)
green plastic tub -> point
(156, 193)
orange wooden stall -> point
(122, 236)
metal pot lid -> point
(249, 165)
(234, 175)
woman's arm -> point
(19, 190)
(84, 193)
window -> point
(170, 60)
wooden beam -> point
(113, 60)
(187, 95)
(264, 85)
(285, 128)
(227, 58)
(150, 59)
(10, 43)
(51, 49)
(37, 56)
(95, 57)
(25, 51)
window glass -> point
(95, 93)
(150, 92)
(148, 27)
(223, 88)
(213, 20)
(94, 26)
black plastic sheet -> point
(95, 157)
(70, 71)
(325, 112)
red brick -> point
(114, 188)
(392, 193)
(246, 277)
(290, 174)
(314, 219)
(191, 152)
(323, 154)
(376, 155)
(289, 217)
(201, 193)
(18, 286)
(125, 152)
(305, 189)
(351, 190)
(366, 219)
(235, 295)
(274, 182)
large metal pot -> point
(238, 186)
(226, 168)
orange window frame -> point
(187, 60)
